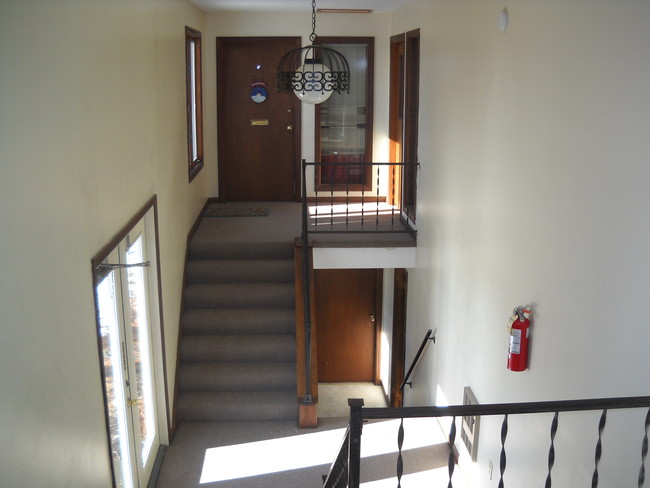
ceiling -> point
(296, 5)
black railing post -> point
(451, 461)
(399, 468)
(599, 447)
(644, 449)
(354, 446)
(551, 450)
(305, 283)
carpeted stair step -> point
(240, 271)
(226, 406)
(239, 321)
(237, 376)
(239, 348)
(237, 295)
(241, 250)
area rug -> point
(214, 211)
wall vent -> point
(469, 432)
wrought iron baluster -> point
(332, 196)
(377, 198)
(347, 197)
(599, 447)
(304, 190)
(502, 459)
(363, 202)
(644, 449)
(392, 202)
(551, 450)
(400, 462)
(452, 460)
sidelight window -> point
(194, 101)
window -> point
(194, 101)
(130, 349)
(344, 121)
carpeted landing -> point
(279, 455)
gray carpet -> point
(277, 454)
(237, 353)
(333, 397)
(237, 407)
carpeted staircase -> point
(238, 345)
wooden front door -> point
(258, 141)
(346, 317)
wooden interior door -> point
(403, 118)
(258, 142)
(396, 117)
(346, 317)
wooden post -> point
(307, 411)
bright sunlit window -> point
(194, 101)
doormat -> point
(213, 211)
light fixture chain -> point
(312, 36)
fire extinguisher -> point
(519, 334)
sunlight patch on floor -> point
(431, 477)
(315, 449)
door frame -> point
(398, 341)
(221, 95)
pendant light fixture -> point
(313, 72)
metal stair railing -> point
(350, 451)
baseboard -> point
(174, 420)
(153, 479)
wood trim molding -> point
(400, 292)
(308, 413)
(174, 418)
(379, 324)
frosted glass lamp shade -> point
(313, 78)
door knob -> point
(372, 319)
(290, 111)
(289, 127)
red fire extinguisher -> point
(519, 334)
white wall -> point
(92, 124)
(224, 24)
(533, 190)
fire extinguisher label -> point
(515, 341)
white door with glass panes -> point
(125, 327)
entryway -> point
(258, 127)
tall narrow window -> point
(194, 101)
(344, 121)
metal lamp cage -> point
(313, 68)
